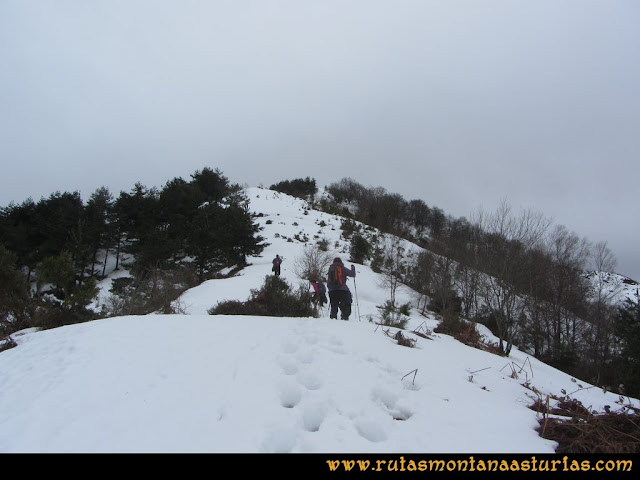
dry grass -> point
(404, 341)
(577, 430)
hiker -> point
(339, 293)
(319, 292)
(276, 265)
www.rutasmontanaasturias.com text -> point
(533, 464)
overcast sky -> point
(460, 103)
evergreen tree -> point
(36, 231)
(212, 185)
(14, 296)
(299, 187)
(204, 237)
(223, 234)
(628, 361)
(59, 272)
(97, 234)
(58, 224)
(179, 202)
(241, 234)
(360, 249)
(147, 238)
(18, 233)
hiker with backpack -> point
(339, 293)
(276, 265)
(319, 292)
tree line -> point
(534, 284)
(524, 278)
(52, 252)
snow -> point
(195, 382)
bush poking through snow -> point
(275, 298)
(7, 343)
(577, 430)
(393, 315)
(461, 330)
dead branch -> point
(415, 372)
(482, 369)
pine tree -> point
(628, 330)
(14, 296)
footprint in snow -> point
(313, 415)
(289, 347)
(280, 440)
(288, 365)
(290, 395)
(370, 429)
(310, 380)
(305, 356)
(392, 402)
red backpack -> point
(335, 277)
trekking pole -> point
(355, 288)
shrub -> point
(52, 313)
(360, 249)
(323, 244)
(7, 343)
(461, 330)
(156, 292)
(393, 315)
(448, 300)
(274, 299)
(349, 227)
(377, 261)
(231, 307)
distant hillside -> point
(619, 287)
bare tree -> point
(442, 283)
(507, 240)
(467, 281)
(312, 264)
(602, 312)
(420, 278)
(393, 266)
(535, 335)
(569, 255)
(604, 263)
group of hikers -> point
(339, 294)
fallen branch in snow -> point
(514, 373)
(530, 367)
(401, 339)
(476, 371)
(415, 372)
(423, 331)
(404, 341)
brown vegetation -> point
(577, 430)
